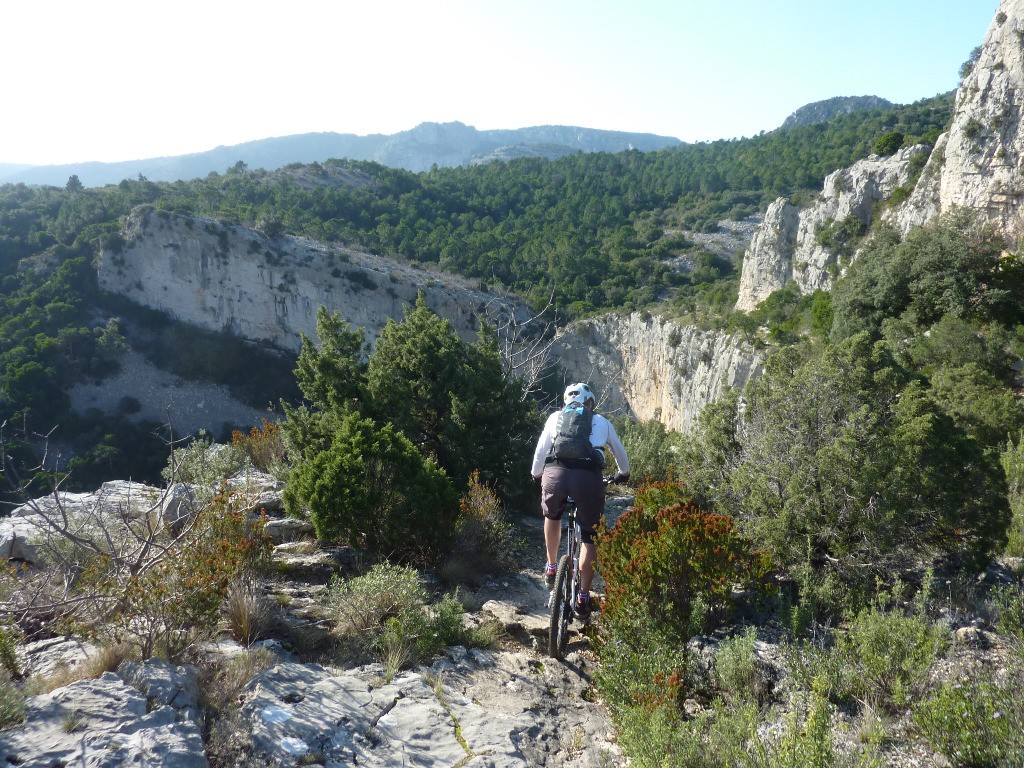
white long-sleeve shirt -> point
(602, 433)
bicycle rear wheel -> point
(560, 614)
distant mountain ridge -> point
(443, 144)
(822, 111)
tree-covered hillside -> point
(598, 230)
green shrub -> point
(9, 637)
(720, 738)
(739, 673)
(807, 738)
(654, 452)
(974, 722)
(386, 614)
(888, 143)
(891, 653)
(372, 489)
(1009, 602)
(12, 701)
(677, 560)
(1013, 464)
(815, 666)
(203, 463)
(643, 665)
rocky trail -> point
(506, 707)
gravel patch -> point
(186, 405)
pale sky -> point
(116, 80)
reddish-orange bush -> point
(676, 560)
(263, 445)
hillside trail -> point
(571, 725)
(510, 706)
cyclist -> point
(563, 473)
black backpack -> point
(572, 435)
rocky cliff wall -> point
(231, 279)
(652, 368)
(978, 165)
(226, 278)
(786, 248)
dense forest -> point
(598, 231)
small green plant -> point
(655, 453)
(738, 672)
(203, 463)
(976, 722)
(813, 664)
(387, 615)
(1009, 601)
(12, 701)
(807, 739)
(891, 653)
(9, 637)
(972, 128)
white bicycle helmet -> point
(578, 393)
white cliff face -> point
(787, 248)
(977, 165)
(652, 368)
(980, 165)
(768, 261)
(225, 278)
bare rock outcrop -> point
(788, 249)
(653, 368)
(978, 164)
(228, 278)
(108, 722)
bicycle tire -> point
(560, 614)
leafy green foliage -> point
(12, 701)
(1009, 601)
(1012, 460)
(600, 230)
(655, 453)
(842, 462)
(367, 485)
(888, 143)
(977, 722)
(738, 673)
(387, 612)
(953, 266)
(891, 653)
(381, 446)
(841, 237)
(451, 399)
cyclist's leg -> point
(588, 557)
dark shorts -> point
(584, 485)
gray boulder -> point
(102, 723)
